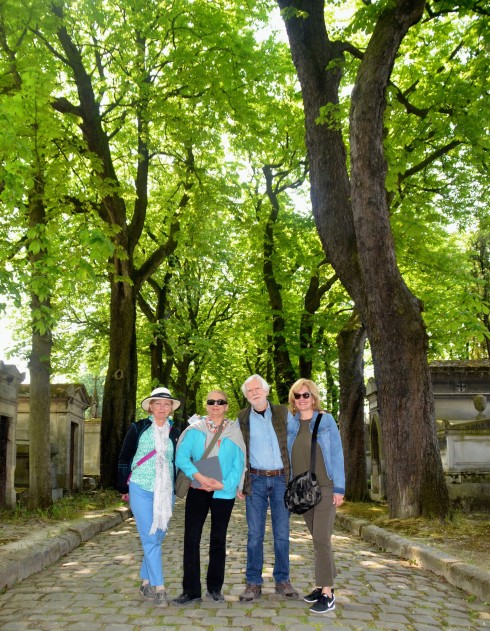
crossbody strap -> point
(313, 443)
(213, 442)
(149, 455)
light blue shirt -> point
(264, 446)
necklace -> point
(212, 427)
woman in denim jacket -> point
(305, 405)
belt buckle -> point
(270, 473)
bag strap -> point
(313, 443)
(213, 442)
(149, 455)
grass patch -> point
(464, 535)
(65, 509)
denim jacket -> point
(328, 438)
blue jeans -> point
(141, 503)
(267, 491)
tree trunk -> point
(353, 224)
(186, 389)
(118, 408)
(40, 486)
(284, 373)
(312, 302)
(350, 344)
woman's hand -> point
(208, 484)
(125, 497)
(203, 481)
(240, 495)
(216, 485)
(337, 499)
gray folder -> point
(210, 467)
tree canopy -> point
(165, 145)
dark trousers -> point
(197, 505)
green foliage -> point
(193, 87)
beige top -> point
(301, 454)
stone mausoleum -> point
(461, 396)
(67, 425)
(10, 379)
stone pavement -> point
(95, 588)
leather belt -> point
(267, 472)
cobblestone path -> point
(95, 588)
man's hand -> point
(337, 499)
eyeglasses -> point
(217, 401)
(305, 395)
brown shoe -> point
(286, 590)
(252, 592)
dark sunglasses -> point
(305, 395)
(217, 401)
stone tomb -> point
(10, 379)
(67, 411)
(461, 393)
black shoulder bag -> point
(303, 491)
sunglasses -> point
(305, 395)
(217, 401)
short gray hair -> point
(260, 379)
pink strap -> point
(140, 462)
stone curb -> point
(22, 558)
(462, 575)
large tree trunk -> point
(350, 344)
(353, 224)
(40, 486)
(118, 408)
(284, 373)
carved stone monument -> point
(461, 394)
(10, 379)
(67, 424)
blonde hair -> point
(312, 387)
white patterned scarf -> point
(162, 493)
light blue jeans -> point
(141, 503)
(267, 491)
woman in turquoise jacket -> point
(305, 406)
(217, 497)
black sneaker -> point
(324, 604)
(314, 596)
(184, 599)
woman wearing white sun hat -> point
(146, 472)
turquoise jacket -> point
(231, 458)
(328, 438)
